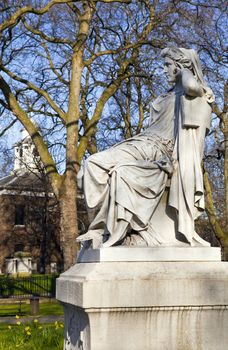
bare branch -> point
(44, 36)
(4, 104)
(112, 1)
(33, 132)
(210, 209)
(52, 66)
(203, 4)
(16, 17)
(116, 51)
(7, 127)
(75, 9)
(36, 89)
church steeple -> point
(25, 154)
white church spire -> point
(25, 154)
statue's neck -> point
(177, 87)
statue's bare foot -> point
(90, 235)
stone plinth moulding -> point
(149, 305)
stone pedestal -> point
(145, 305)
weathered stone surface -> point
(184, 328)
(145, 305)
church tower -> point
(25, 158)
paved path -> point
(41, 319)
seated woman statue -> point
(126, 182)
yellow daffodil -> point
(17, 317)
(9, 327)
(40, 327)
(35, 321)
(27, 328)
(18, 323)
(28, 333)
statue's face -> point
(170, 70)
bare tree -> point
(60, 64)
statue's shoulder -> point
(160, 101)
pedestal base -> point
(161, 253)
(145, 305)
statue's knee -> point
(91, 158)
(99, 156)
(92, 161)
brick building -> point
(29, 217)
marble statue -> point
(126, 182)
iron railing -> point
(26, 287)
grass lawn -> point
(31, 336)
(46, 308)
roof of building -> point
(26, 183)
(23, 181)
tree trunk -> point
(226, 169)
(68, 219)
(225, 253)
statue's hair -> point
(177, 56)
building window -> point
(19, 247)
(19, 215)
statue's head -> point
(174, 60)
(179, 58)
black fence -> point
(26, 287)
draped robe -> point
(125, 183)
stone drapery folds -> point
(125, 183)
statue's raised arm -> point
(148, 190)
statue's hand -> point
(165, 164)
(178, 72)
